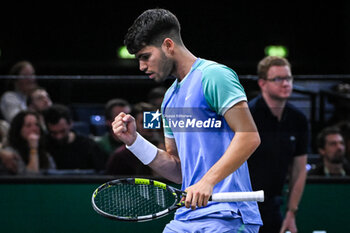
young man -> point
(284, 138)
(39, 100)
(204, 160)
(69, 149)
(331, 147)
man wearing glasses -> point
(284, 137)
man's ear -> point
(261, 83)
(168, 45)
(321, 152)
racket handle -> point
(238, 196)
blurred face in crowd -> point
(40, 100)
(60, 132)
(30, 126)
(334, 148)
(118, 109)
(279, 82)
(26, 84)
(27, 70)
(157, 102)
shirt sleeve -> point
(222, 89)
(11, 104)
(167, 130)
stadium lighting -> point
(124, 54)
(276, 50)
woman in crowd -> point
(26, 141)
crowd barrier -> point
(63, 204)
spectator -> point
(340, 95)
(344, 127)
(26, 152)
(109, 142)
(284, 136)
(123, 161)
(330, 144)
(39, 100)
(69, 149)
(4, 126)
(14, 101)
(156, 95)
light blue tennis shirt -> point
(192, 112)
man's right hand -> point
(124, 127)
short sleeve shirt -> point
(281, 141)
(193, 113)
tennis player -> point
(207, 152)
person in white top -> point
(14, 101)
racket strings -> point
(133, 200)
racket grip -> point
(238, 196)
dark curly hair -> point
(55, 113)
(151, 28)
(20, 144)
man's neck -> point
(275, 105)
(334, 168)
(183, 63)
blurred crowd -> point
(39, 136)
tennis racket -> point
(137, 199)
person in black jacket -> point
(69, 149)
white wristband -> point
(143, 149)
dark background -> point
(79, 37)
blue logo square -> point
(151, 120)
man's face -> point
(334, 149)
(59, 132)
(154, 62)
(279, 82)
(40, 100)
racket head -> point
(135, 199)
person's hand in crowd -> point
(10, 160)
(33, 141)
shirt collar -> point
(267, 110)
